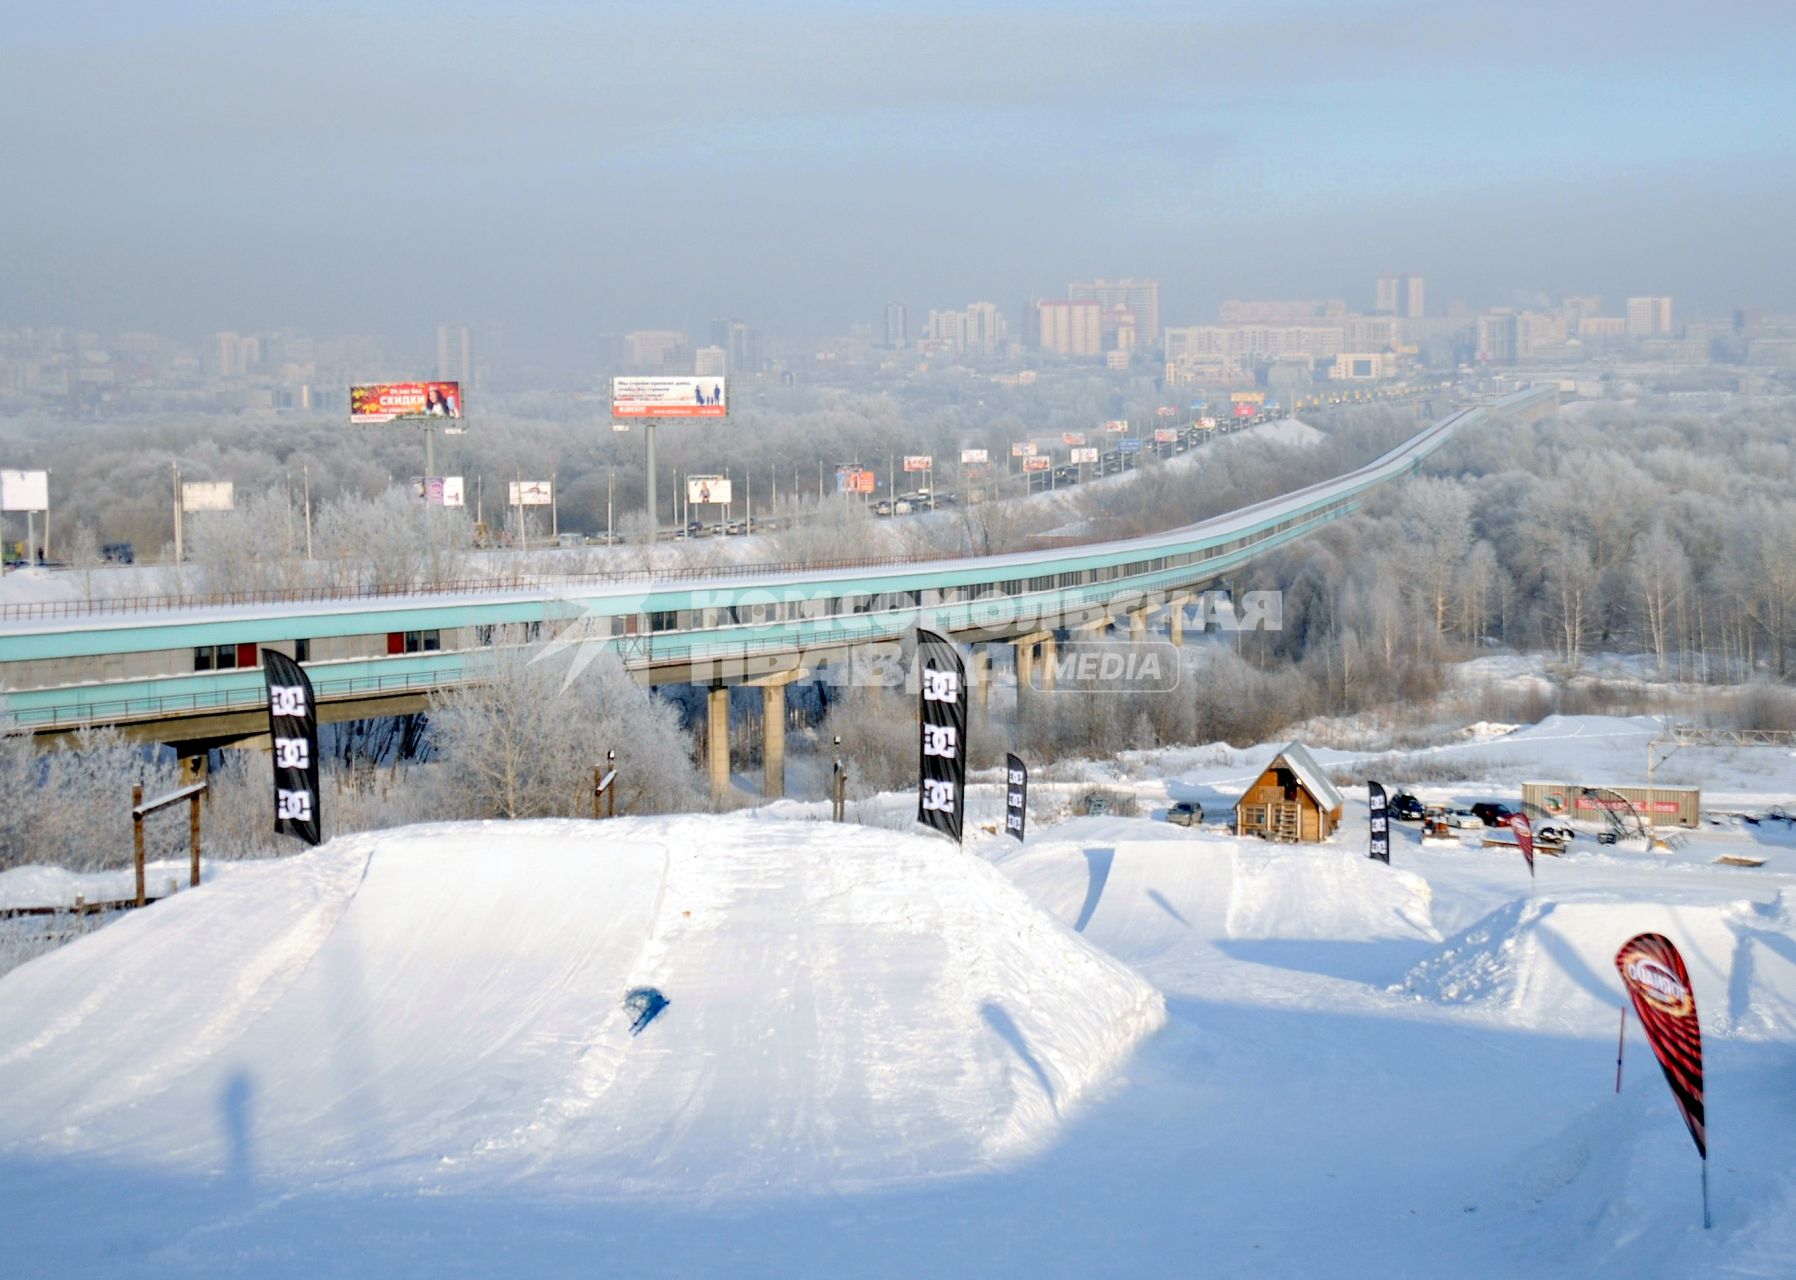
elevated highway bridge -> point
(185, 672)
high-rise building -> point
(1398, 296)
(741, 343)
(896, 325)
(1414, 297)
(710, 362)
(1497, 337)
(1280, 311)
(656, 351)
(455, 354)
(1384, 295)
(1070, 327)
(1648, 317)
(1140, 298)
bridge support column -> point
(773, 733)
(1175, 621)
(1049, 656)
(717, 742)
(981, 675)
(1025, 660)
(1137, 626)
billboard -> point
(669, 398)
(1072, 437)
(1166, 435)
(1023, 449)
(1037, 464)
(1244, 410)
(1086, 454)
(1116, 426)
(1248, 397)
(24, 490)
(439, 491)
(854, 479)
(1167, 411)
(386, 401)
(207, 495)
(709, 489)
(530, 493)
(971, 457)
(919, 461)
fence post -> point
(137, 837)
(193, 832)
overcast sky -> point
(573, 168)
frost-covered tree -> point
(521, 739)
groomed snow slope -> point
(439, 1007)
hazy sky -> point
(571, 168)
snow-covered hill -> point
(442, 1007)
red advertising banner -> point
(387, 401)
(919, 462)
(1072, 437)
(1037, 464)
(1524, 837)
(1244, 410)
(1659, 985)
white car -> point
(1463, 819)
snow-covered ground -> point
(404, 1053)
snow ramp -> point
(1549, 963)
(442, 1006)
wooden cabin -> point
(1291, 800)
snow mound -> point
(1326, 894)
(441, 1006)
(1549, 964)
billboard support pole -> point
(648, 435)
(306, 472)
(177, 471)
(554, 511)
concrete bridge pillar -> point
(981, 675)
(773, 733)
(1025, 660)
(1049, 657)
(717, 742)
(1137, 625)
(1175, 621)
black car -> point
(1492, 814)
(1405, 807)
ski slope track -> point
(440, 1008)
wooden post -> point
(598, 772)
(193, 833)
(137, 837)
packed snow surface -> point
(405, 1054)
(442, 1007)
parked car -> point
(1492, 814)
(1405, 807)
(1187, 813)
(1462, 819)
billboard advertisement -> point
(1086, 455)
(387, 401)
(1248, 397)
(854, 479)
(206, 495)
(24, 490)
(1023, 449)
(530, 493)
(1072, 437)
(702, 490)
(1037, 464)
(1166, 435)
(1167, 411)
(439, 491)
(972, 457)
(1116, 426)
(918, 461)
(1244, 410)
(669, 398)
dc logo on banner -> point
(941, 736)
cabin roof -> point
(1300, 762)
